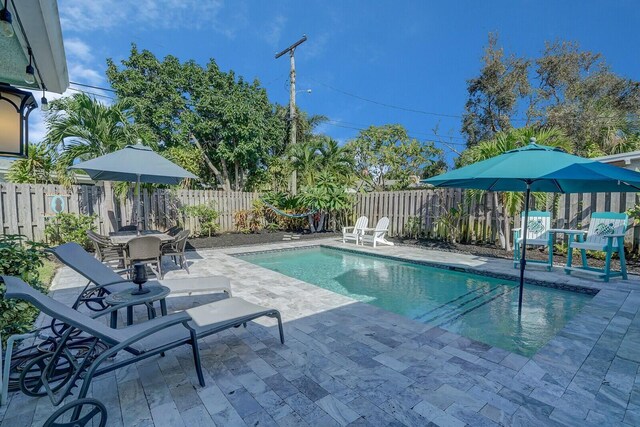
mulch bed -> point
(239, 239)
(485, 250)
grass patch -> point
(46, 272)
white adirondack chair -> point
(377, 235)
(606, 234)
(538, 234)
(355, 233)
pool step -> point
(466, 303)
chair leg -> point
(607, 263)
(623, 262)
(569, 258)
(196, 358)
(279, 318)
(516, 253)
(550, 246)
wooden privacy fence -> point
(476, 219)
(25, 208)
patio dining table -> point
(123, 237)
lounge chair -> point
(606, 234)
(538, 234)
(103, 280)
(141, 341)
(354, 233)
(377, 235)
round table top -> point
(155, 293)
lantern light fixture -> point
(6, 27)
(15, 107)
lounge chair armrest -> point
(370, 229)
(517, 229)
(567, 231)
(611, 236)
(344, 229)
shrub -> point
(67, 227)
(21, 258)
(413, 227)
(207, 217)
(250, 220)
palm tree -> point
(81, 128)
(511, 202)
(36, 168)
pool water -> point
(478, 307)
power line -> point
(93, 87)
(92, 93)
(431, 135)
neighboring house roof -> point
(621, 159)
(41, 24)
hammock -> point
(288, 215)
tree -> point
(387, 152)
(569, 89)
(509, 203)
(81, 128)
(494, 94)
(229, 120)
(598, 110)
(326, 195)
(37, 168)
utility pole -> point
(292, 99)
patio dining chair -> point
(131, 227)
(105, 250)
(140, 341)
(173, 231)
(538, 234)
(377, 235)
(104, 281)
(176, 249)
(145, 250)
(354, 233)
(605, 234)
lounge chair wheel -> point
(85, 412)
(31, 377)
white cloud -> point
(84, 15)
(77, 49)
(274, 30)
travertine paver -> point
(349, 363)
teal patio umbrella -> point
(134, 163)
(539, 168)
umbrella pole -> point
(523, 259)
(138, 206)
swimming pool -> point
(478, 307)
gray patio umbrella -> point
(134, 163)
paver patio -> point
(349, 363)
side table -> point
(156, 293)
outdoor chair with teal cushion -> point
(537, 235)
(606, 234)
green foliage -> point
(448, 224)
(287, 203)
(81, 128)
(494, 94)
(68, 227)
(22, 258)
(388, 153)
(413, 227)
(230, 120)
(572, 90)
(207, 217)
(36, 168)
(250, 220)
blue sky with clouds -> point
(411, 54)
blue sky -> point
(411, 54)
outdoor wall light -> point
(44, 104)
(6, 27)
(30, 72)
(15, 107)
